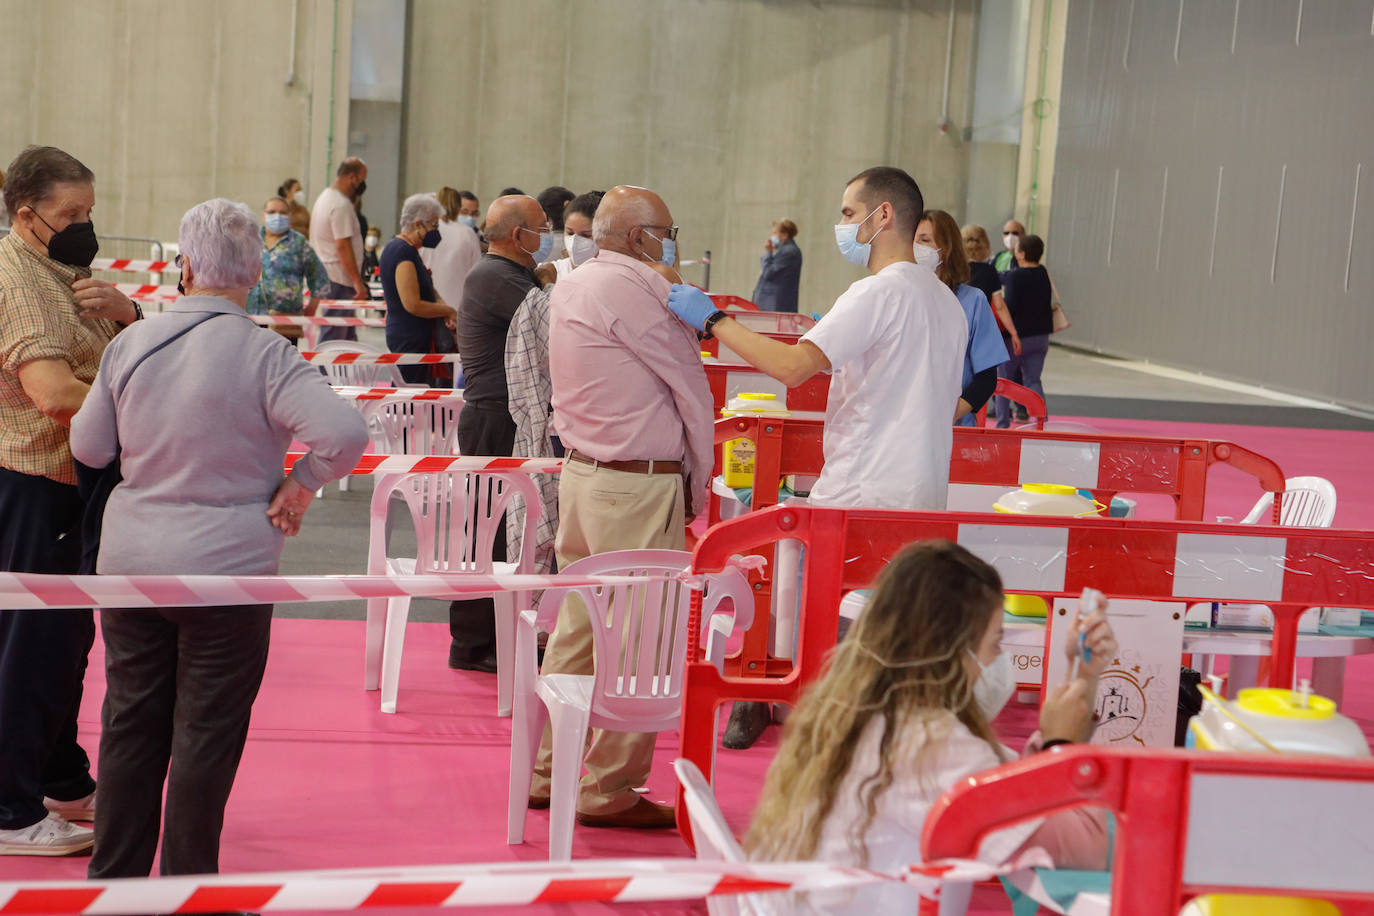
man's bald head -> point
(506, 218)
(625, 212)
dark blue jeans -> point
(1029, 365)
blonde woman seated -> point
(904, 712)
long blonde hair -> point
(903, 662)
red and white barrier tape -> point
(145, 291)
(132, 266)
(331, 358)
(376, 305)
(433, 464)
(399, 394)
(331, 321)
(28, 591)
(502, 884)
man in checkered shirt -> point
(54, 324)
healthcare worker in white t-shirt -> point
(893, 343)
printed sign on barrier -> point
(1137, 695)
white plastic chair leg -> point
(503, 606)
(372, 646)
(527, 727)
(569, 743)
(397, 612)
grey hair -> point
(220, 239)
(615, 221)
(420, 208)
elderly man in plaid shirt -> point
(54, 324)
(529, 386)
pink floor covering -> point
(329, 781)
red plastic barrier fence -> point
(712, 345)
(1290, 569)
(811, 394)
(1017, 394)
(1104, 464)
(1188, 822)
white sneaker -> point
(52, 836)
(78, 809)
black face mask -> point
(432, 239)
(362, 188)
(74, 246)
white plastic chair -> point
(714, 841)
(456, 517)
(368, 375)
(415, 427)
(1308, 502)
(640, 648)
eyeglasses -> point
(669, 232)
(547, 227)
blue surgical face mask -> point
(541, 254)
(278, 223)
(469, 221)
(775, 240)
(669, 257)
(847, 238)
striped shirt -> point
(38, 320)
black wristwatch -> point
(138, 310)
(707, 329)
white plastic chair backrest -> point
(1308, 502)
(640, 631)
(359, 375)
(417, 427)
(457, 514)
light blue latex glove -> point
(691, 305)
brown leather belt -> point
(629, 467)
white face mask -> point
(370, 242)
(299, 197)
(1009, 240)
(995, 685)
(926, 256)
(581, 249)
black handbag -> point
(94, 485)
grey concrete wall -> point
(1214, 190)
(738, 111)
(171, 103)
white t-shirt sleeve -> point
(849, 330)
(962, 755)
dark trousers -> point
(483, 429)
(339, 291)
(1025, 370)
(42, 654)
(180, 685)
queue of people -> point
(578, 337)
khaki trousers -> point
(601, 510)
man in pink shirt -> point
(633, 408)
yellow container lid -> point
(1285, 704)
(706, 354)
(1055, 489)
(757, 396)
